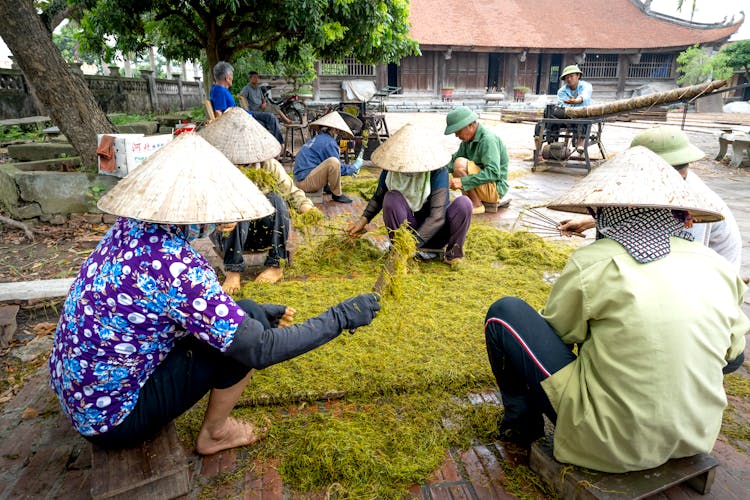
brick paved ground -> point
(41, 457)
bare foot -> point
(232, 434)
(270, 275)
(231, 282)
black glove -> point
(274, 313)
(357, 311)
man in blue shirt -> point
(576, 92)
(221, 100)
(318, 163)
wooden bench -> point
(37, 122)
(155, 470)
(575, 483)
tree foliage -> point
(292, 32)
(738, 56)
(65, 39)
(698, 66)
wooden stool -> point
(574, 483)
(155, 469)
(316, 197)
(294, 130)
(725, 139)
(494, 207)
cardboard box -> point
(131, 149)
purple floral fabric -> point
(141, 289)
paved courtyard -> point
(41, 457)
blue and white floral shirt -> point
(141, 289)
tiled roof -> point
(533, 24)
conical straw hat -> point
(637, 177)
(241, 138)
(188, 181)
(333, 120)
(409, 150)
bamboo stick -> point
(645, 101)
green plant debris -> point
(363, 186)
(264, 180)
(403, 247)
(306, 222)
(401, 381)
(734, 425)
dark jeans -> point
(270, 123)
(453, 233)
(190, 370)
(523, 350)
(271, 232)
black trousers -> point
(271, 232)
(523, 350)
(190, 370)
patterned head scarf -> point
(644, 232)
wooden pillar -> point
(623, 67)
(148, 75)
(512, 71)
(381, 75)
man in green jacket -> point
(480, 166)
(656, 316)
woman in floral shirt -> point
(147, 330)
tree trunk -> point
(152, 61)
(66, 97)
(128, 68)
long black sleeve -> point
(257, 347)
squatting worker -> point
(318, 163)
(146, 330)
(249, 146)
(673, 146)
(413, 188)
(480, 166)
(657, 319)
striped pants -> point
(523, 350)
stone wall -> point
(114, 94)
(29, 194)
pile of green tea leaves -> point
(401, 383)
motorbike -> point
(290, 104)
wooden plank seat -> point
(576, 483)
(494, 207)
(156, 469)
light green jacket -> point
(287, 189)
(647, 385)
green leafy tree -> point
(698, 66)
(292, 32)
(65, 40)
(738, 56)
(26, 28)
